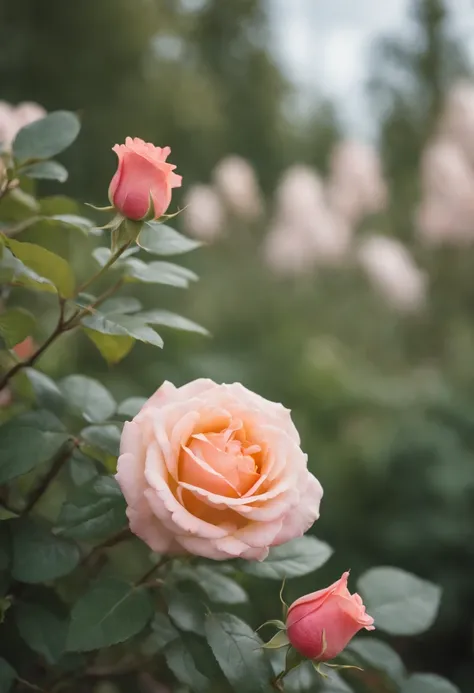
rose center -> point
(223, 463)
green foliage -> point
(38, 555)
(239, 653)
(110, 612)
(28, 441)
(295, 558)
(182, 664)
(7, 676)
(46, 137)
(428, 683)
(93, 511)
(45, 264)
(87, 398)
(160, 239)
(48, 170)
(16, 325)
(400, 603)
(43, 631)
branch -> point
(113, 258)
(63, 455)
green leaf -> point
(43, 631)
(113, 348)
(304, 679)
(219, 588)
(298, 557)
(7, 676)
(46, 137)
(46, 264)
(73, 221)
(164, 317)
(158, 273)
(47, 393)
(103, 437)
(38, 555)
(186, 611)
(163, 631)
(109, 613)
(28, 441)
(180, 661)
(16, 324)
(13, 271)
(131, 406)
(400, 603)
(102, 255)
(428, 683)
(121, 305)
(62, 223)
(18, 206)
(163, 240)
(128, 325)
(239, 653)
(378, 655)
(81, 468)
(89, 513)
(49, 170)
(88, 398)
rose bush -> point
(217, 471)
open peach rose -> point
(217, 471)
(144, 180)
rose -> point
(143, 182)
(216, 471)
(319, 625)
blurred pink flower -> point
(457, 120)
(299, 193)
(356, 187)
(306, 232)
(237, 183)
(13, 118)
(446, 212)
(392, 271)
(203, 213)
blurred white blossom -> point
(237, 183)
(13, 118)
(306, 232)
(356, 185)
(392, 271)
(203, 213)
(446, 212)
(299, 194)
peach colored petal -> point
(146, 526)
(163, 498)
(306, 512)
(198, 472)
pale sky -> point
(323, 45)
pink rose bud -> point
(320, 624)
(143, 182)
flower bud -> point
(143, 183)
(321, 624)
